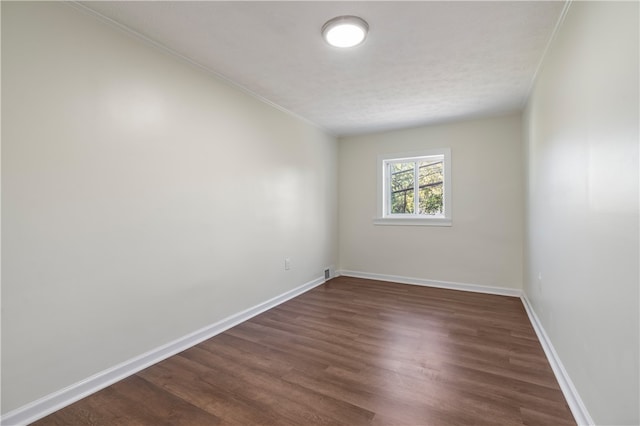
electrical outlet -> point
(327, 274)
(540, 283)
(287, 263)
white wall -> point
(142, 199)
(484, 245)
(582, 194)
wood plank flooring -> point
(351, 352)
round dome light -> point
(345, 31)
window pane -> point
(430, 175)
(401, 183)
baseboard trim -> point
(476, 288)
(50, 403)
(577, 407)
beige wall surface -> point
(484, 245)
(142, 199)
(581, 136)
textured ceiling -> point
(422, 63)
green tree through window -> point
(414, 188)
(429, 192)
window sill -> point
(417, 221)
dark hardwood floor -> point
(351, 352)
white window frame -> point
(384, 217)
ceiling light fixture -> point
(345, 31)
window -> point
(415, 188)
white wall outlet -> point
(540, 282)
(287, 263)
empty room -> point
(300, 212)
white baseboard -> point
(476, 288)
(570, 392)
(66, 396)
